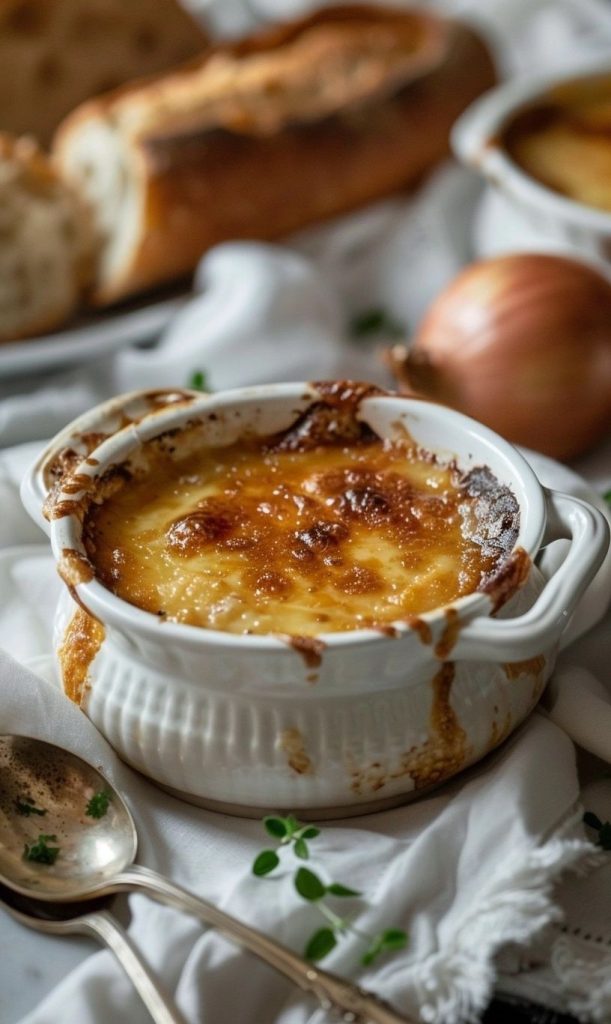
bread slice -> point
(45, 242)
(56, 53)
(262, 137)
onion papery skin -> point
(523, 344)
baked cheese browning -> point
(565, 142)
(82, 641)
(266, 537)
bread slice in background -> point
(261, 137)
(56, 53)
(46, 242)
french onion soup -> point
(564, 140)
(322, 528)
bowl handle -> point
(540, 628)
(101, 422)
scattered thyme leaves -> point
(276, 827)
(335, 889)
(309, 885)
(301, 849)
(98, 805)
(265, 862)
(288, 831)
(386, 942)
(27, 807)
(40, 851)
(602, 827)
(372, 322)
(321, 943)
(291, 832)
(198, 381)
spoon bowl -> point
(49, 792)
(59, 846)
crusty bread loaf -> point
(261, 137)
(45, 242)
(56, 53)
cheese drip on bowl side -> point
(300, 534)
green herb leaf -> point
(275, 826)
(607, 497)
(372, 952)
(394, 938)
(385, 942)
(309, 885)
(198, 381)
(592, 820)
(265, 862)
(290, 831)
(301, 849)
(26, 807)
(341, 890)
(321, 943)
(375, 321)
(40, 851)
(98, 805)
(604, 836)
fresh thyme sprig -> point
(198, 381)
(372, 322)
(603, 829)
(27, 807)
(97, 807)
(288, 831)
(40, 851)
(310, 887)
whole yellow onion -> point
(523, 344)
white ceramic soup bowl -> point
(248, 723)
(518, 211)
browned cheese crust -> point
(322, 528)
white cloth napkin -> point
(470, 872)
(463, 871)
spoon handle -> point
(334, 993)
(104, 926)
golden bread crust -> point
(247, 143)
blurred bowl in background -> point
(521, 211)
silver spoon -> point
(96, 858)
(61, 920)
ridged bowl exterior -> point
(300, 744)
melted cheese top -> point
(266, 538)
(567, 146)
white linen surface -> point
(470, 871)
